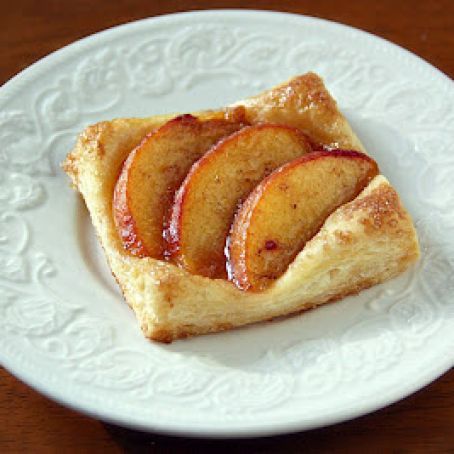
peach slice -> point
(153, 172)
(207, 200)
(288, 208)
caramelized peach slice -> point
(288, 208)
(206, 202)
(153, 172)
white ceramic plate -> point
(65, 329)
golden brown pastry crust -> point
(362, 243)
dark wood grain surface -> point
(424, 422)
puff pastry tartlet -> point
(362, 240)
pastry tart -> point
(218, 219)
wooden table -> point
(424, 422)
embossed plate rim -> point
(197, 428)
